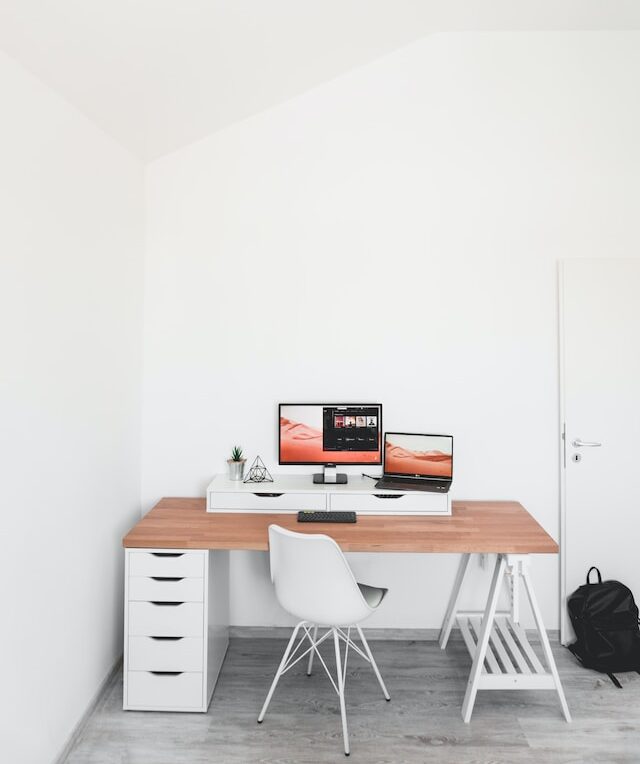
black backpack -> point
(604, 617)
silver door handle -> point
(577, 443)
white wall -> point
(391, 236)
(70, 370)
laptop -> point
(417, 462)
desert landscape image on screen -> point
(301, 438)
(419, 455)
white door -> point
(600, 412)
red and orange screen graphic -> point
(402, 457)
(300, 442)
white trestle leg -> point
(544, 639)
(503, 658)
(450, 616)
(483, 640)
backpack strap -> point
(614, 679)
(593, 567)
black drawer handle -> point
(268, 495)
(167, 639)
(167, 673)
(167, 578)
(167, 554)
(167, 604)
(388, 495)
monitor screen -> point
(418, 455)
(330, 433)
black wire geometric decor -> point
(258, 473)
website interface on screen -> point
(326, 434)
(418, 455)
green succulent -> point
(236, 454)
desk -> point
(502, 656)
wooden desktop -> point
(500, 527)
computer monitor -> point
(330, 434)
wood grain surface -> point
(474, 526)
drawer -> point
(176, 692)
(263, 500)
(162, 589)
(147, 619)
(389, 503)
(165, 654)
(167, 564)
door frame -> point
(562, 464)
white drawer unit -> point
(291, 493)
(176, 627)
(389, 503)
(160, 691)
(267, 501)
(167, 563)
(165, 654)
(166, 589)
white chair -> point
(314, 582)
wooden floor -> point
(421, 724)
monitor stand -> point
(330, 475)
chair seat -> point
(373, 595)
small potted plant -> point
(236, 464)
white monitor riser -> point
(291, 493)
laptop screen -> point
(426, 456)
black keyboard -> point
(317, 516)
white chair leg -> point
(341, 680)
(374, 665)
(313, 652)
(283, 663)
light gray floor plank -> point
(421, 724)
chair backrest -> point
(313, 580)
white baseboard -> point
(284, 632)
(97, 696)
(410, 635)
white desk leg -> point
(513, 573)
(452, 607)
(544, 639)
(483, 640)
